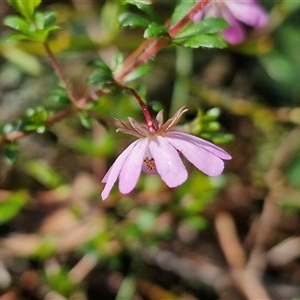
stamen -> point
(150, 163)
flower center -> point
(150, 163)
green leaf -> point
(101, 64)
(60, 96)
(34, 119)
(100, 78)
(49, 19)
(85, 119)
(118, 60)
(133, 20)
(43, 173)
(203, 40)
(25, 7)
(11, 152)
(197, 222)
(60, 281)
(45, 21)
(25, 61)
(146, 8)
(206, 26)
(37, 30)
(155, 29)
(19, 24)
(181, 10)
(127, 288)
(137, 73)
(12, 205)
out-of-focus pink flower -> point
(235, 12)
(159, 153)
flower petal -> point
(168, 162)
(208, 146)
(132, 167)
(235, 34)
(202, 159)
(112, 174)
(248, 12)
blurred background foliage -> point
(59, 240)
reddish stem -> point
(145, 52)
(153, 45)
(188, 17)
(60, 74)
(147, 115)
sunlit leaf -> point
(25, 8)
(18, 23)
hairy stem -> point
(145, 110)
(60, 74)
(150, 47)
(188, 17)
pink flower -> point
(234, 12)
(159, 153)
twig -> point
(60, 74)
(246, 278)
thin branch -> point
(60, 74)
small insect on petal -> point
(150, 164)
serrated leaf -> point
(25, 8)
(203, 40)
(133, 20)
(206, 26)
(181, 10)
(11, 152)
(12, 205)
(155, 29)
